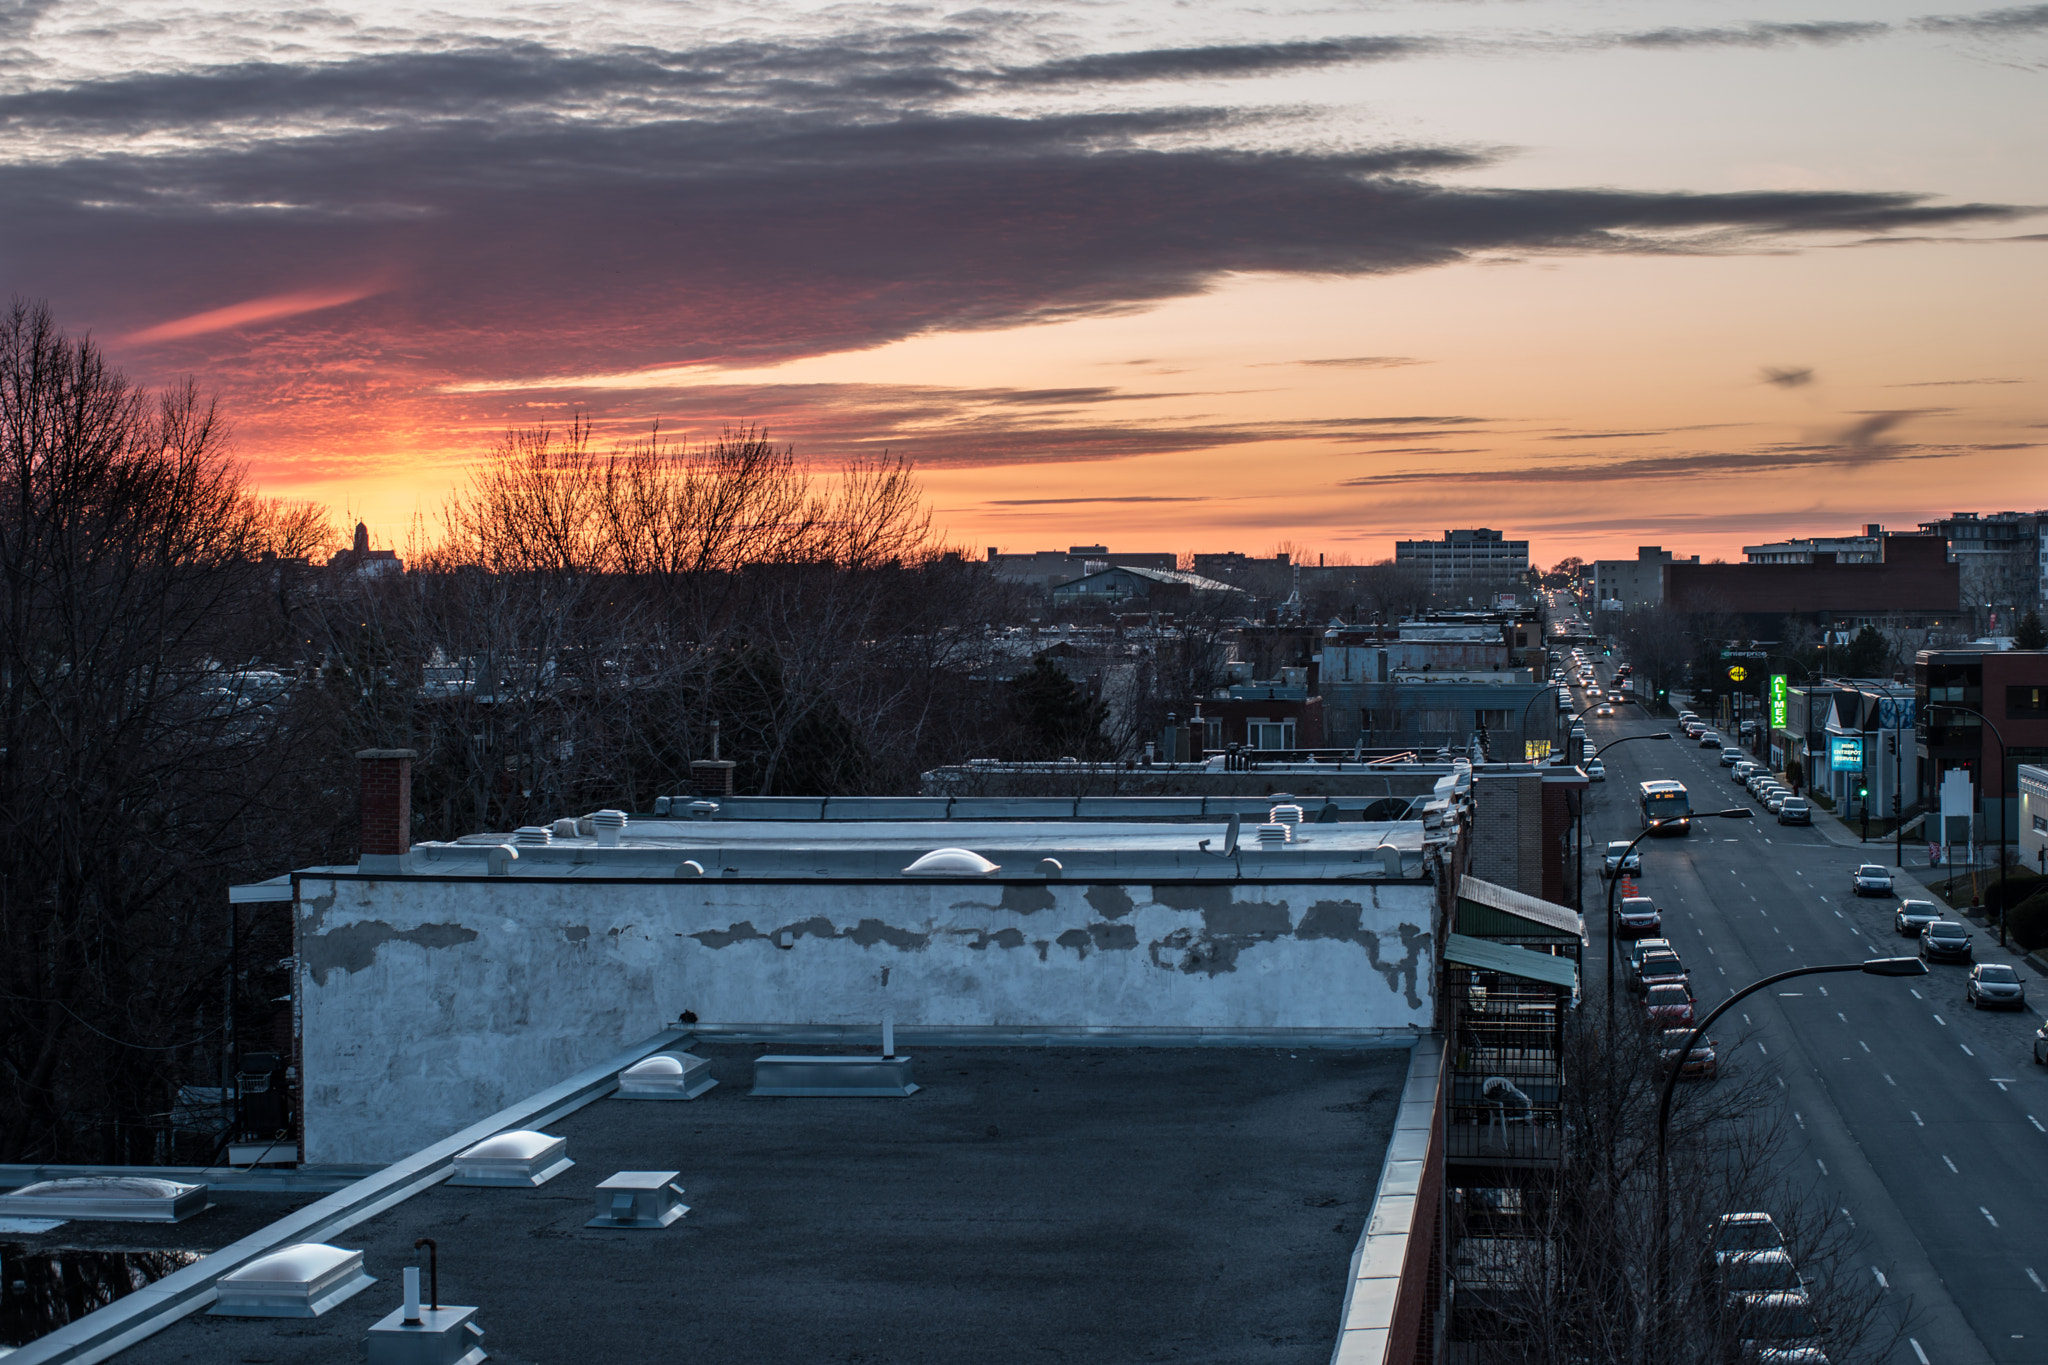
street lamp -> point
(1732, 813)
(1876, 966)
(1982, 785)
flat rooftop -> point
(1075, 1204)
(880, 850)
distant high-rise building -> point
(1466, 563)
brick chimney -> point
(385, 844)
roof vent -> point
(703, 810)
(111, 1198)
(563, 829)
(1285, 814)
(301, 1281)
(662, 805)
(951, 862)
(689, 867)
(665, 1076)
(1051, 867)
(532, 836)
(1390, 859)
(521, 1158)
(639, 1199)
(608, 825)
(1275, 836)
(498, 861)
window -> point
(2041, 824)
(1270, 734)
(2026, 701)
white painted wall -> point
(428, 1004)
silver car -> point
(1872, 880)
(1913, 916)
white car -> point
(1596, 771)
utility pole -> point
(1898, 809)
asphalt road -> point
(1924, 1120)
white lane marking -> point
(1941, 1021)
(1865, 1046)
(1852, 1221)
(1966, 1048)
(1888, 1079)
(1840, 915)
(1822, 989)
(1781, 1083)
(1745, 1018)
(1790, 995)
(1881, 1282)
(1796, 1119)
(1722, 970)
(1951, 1166)
(1917, 1351)
(1987, 1215)
(1915, 994)
(2036, 1122)
(1841, 1016)
(2000, 1081)
(1761, 1048)
(1822, 1164)
(1776, 930)
(1752, 901)
(1916, 1117)
(2037, 1280)
(1710, 947)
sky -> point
(1188, 277)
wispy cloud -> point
(2018, 19)
(269, 308)
(1788, 377)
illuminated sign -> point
(1780, 699)
(1845, 753)
(1737, 673)
(1533, 749)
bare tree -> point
(142, 766)
(1604, 1261)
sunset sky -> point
(1168, 276)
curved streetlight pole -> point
(2000, 739)
(1732, 813)
(1876, 966)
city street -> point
(1924, 1120)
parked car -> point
(1748, 1271)
(1658, 968)
(1637, 915)
(1701, 1064)
(1912, 916)
(2041, 1046)
(1596, 771)
(1620, 858)
(1768, 1318)
(1872, 880)
(1795, 810)
(1693, 729)
(1945, 941)
(1747, 1232)
(1746, 729)
(1709, 740)
(1731, 758)
(1668, 1006)
(1775, 800)
(1745, 768)
(1995, 985)
(1634, 951)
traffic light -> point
(1891, 744)
(1863, 792)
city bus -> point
(1666, 806)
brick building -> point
(1914, 585)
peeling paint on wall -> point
(354, 947)
(1111, 902)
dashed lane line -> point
(1987, 1215)
(1950, 1164)
(1916, 1117)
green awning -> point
(1491, 911)
(1509, 960)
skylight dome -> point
(521, 1157)
(125, 1198)
(951, 862)
(300, 1281)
